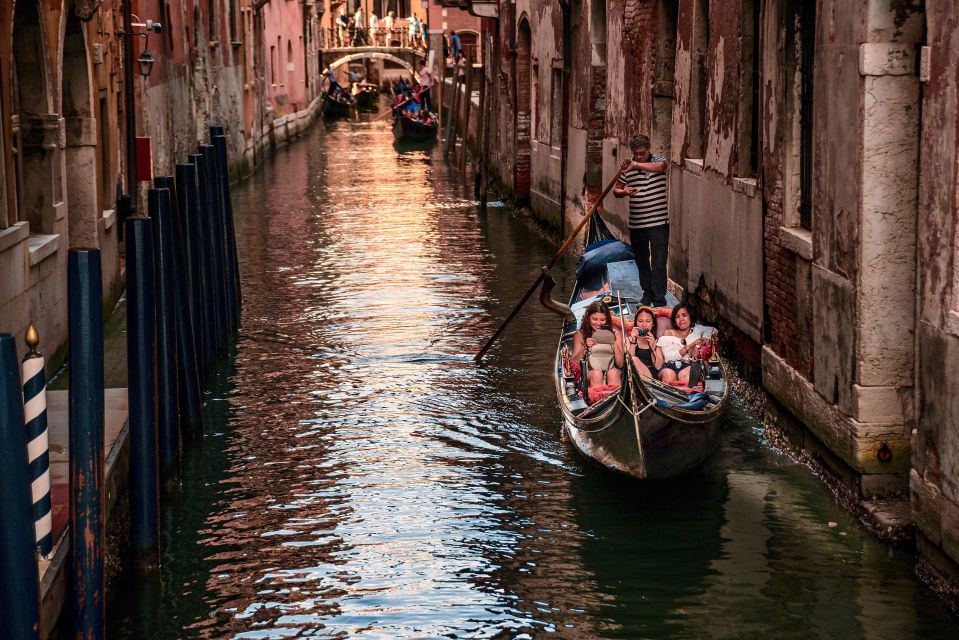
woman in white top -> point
(679, 346)
(388, 28)
(374, 29)
(413, 30)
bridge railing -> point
(338, 37)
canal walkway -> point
(361, 476)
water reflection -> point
(364, 478)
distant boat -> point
(366, 96)
(337, 104)
(646, 429)
(406, 128)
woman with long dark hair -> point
(641, 345)
(601, 344)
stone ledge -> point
(42, 246)
(797, 240)
(14, 235)
(693, 166)
(109, 218)
(855, 443)
(745, 186)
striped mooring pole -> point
(38, 442)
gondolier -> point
(643, 180)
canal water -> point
(363, 477)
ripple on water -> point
(367, 479)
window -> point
(234, 23)
(556, 108)
(697, 94)
(800, 53)
(747, 139)
(272, 65)
(211, 16)
(534, 103)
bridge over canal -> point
(405, 57)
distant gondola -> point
(366, 96)
(646, 429)
(406, 128)
(337, 104)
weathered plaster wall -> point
(934, 480)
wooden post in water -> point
(468, 102)
(479, 169)
(441, 92)
(451, 121)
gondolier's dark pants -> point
(425, 99)
(651, 247)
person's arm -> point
(618, 347)
(658, 358)
(579, 347)
(621, 190)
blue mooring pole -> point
(219, 240)
(218, 136)
(85, 308)
(141, 344)
(208, 201)
(38, 440)
(168, 435)
(187, 376)
(203, 264)
(19, 585)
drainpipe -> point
(128, 108)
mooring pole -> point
(208, 186)
(86, 410)
(38, 441)
(187, 376)
(141, 345)
(168, 435)
(203, 264)
(19, 585)
(218, 135)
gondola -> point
(646, 429)
(406, 128)
(366, 96)
(338, 104)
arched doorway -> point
(35, 130)
(523, 74)
(81, 138)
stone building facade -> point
(813, 208)
(63, 147)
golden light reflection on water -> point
(362, 477)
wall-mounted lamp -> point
(145, 62)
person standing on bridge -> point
(342, 27)
(412, 29)
(388, 23)
(359, 23)
(374, 28)
(456, 46)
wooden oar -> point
(556, 257)
(395, 107)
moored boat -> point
(646, 429)
(406, 128)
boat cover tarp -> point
(597, 255)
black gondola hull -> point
(407, 129)
(336, 109)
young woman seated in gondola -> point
(601, 344)
(641, 344)
(680, 345)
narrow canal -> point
(362, 477)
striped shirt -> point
(648, 207)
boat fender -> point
(696, 402)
